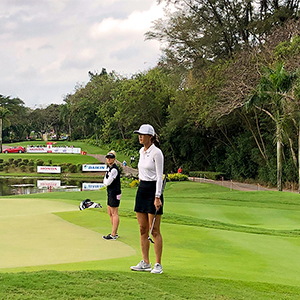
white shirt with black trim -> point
(112, 175)
(151, 166)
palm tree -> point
(271, 97)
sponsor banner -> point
(92, 186)
(36, 150)
(94, 168)
(48, 169)
(48, 184)
(51, 149)
(68, 150)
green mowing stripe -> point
(192, 221)
(240, 202)
(134, 285)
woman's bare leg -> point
(157, 238)
(144, 231)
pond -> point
(20, 186)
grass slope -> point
(218, 244)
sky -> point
(47, 47)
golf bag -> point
(87, 203)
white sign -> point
(48, 183)
(92, 186)
(97, 168)
(51, 149)
(36, 150)
(69, 150)
(48, 169)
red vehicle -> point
(18, 149)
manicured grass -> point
(55, 158)
(90, 149)
(218, 244)
(77, 144)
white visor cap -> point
(146, 129)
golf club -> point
(163, 187)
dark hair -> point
(155, 141)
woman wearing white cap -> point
(113, 183)
(149, 197)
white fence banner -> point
(69, 150)
(51, 149)
(92, 186)
(36, 149)
(48, 184)
(49, 169)
(94, 168)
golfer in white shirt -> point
(149, 198)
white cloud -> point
(137, 21)
(47, 46)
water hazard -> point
(20, 186)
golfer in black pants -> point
(113, 183)
(149, 198)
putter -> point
(163, 187)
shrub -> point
(50, 162)
(23, 168)
(79, 167)
(207, 174)
(64, 167)
(177, 177)
(1, 160)
(120, 169)
(31, 169)
(134, 183)
(10, 160)
(5, 169)
(1, 167)
(25, 161)
(39, 162)
(73, 168)
(31, 162)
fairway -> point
(218, 244)
(32, 235)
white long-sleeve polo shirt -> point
(112, 175)
(151, 166)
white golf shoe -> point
(157, 269)
(141, 266)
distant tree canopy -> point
(199, 31)
(225, 95)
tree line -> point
(224, 96)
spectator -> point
(113, 183)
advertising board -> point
(94, 168)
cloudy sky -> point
(48, 46)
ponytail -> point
(155, 141)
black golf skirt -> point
(112, 199)
(145, 196)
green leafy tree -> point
(4, 112)
(144, 98)
(16, 119)
(200, 30)
(86, 108)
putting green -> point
(31, 235)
